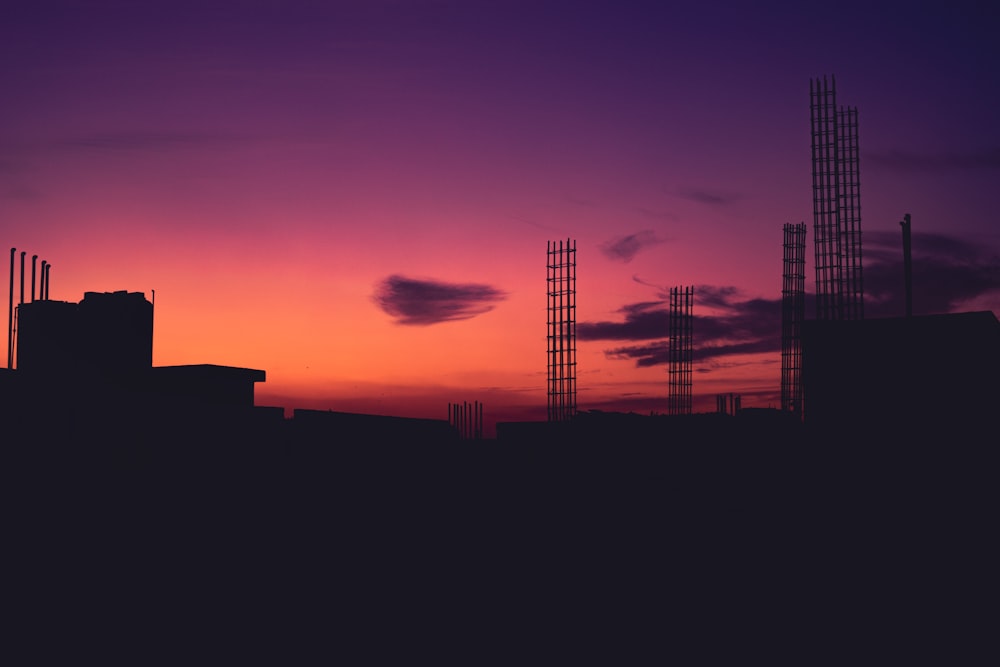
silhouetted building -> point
(107, 334)
(349, 428)
(84, 373)
(923, 376)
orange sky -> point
(265, 169)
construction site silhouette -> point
(876, 469)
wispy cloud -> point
(906, 161)
(947, 273)
(624, 248)
(709, 196)
(422, 302)
(738, 326)
(643, 321)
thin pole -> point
(907, 265)
(10, 314)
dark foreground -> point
(618, 552)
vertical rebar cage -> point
(793, 310)
(849, 212)
(836, 184)
(561, 329)
(680, 353)
(467, 419)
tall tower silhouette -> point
(793, 312)
(680, 352)
(561, 329)
(836, 204)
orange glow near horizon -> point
(268, 189)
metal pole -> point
(907, 265)
(34, 263)
(10, 314)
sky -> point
(356, 197)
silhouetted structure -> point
(793, 312)
(921, 376)
(90, 363)
(105, 334)
(10, 311)
(728, 404)
(561, 262)
(13, 311)
(907, 264)
(680, 351)
(329, 427)
(836, 205)
(467, 419)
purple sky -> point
(354, 196)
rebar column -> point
(793, 311)
(680, 352)
(561, 331)
(836, 186)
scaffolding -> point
(680, 353)
(561, 330)
(836, 188)
(793, 310)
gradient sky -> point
(356, 196)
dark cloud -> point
(739, 327)
(710, 197)
(903, 161)
(640, 324)
(716, 297)
(655, 354)
(423, 302)
(947, 271)
(624, 248)
(652, 354)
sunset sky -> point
(356, 197)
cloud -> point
(710, 197)
(424, 302)
(903, 161)
(947, 273)
(643, 321)
(624, 248)
(738, 326)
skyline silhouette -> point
(355, 200)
